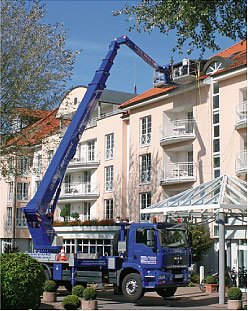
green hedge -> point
(234, 293)
(89, 293)
(50, 286)
(22, 281)
(78, 291)
(211, 280)
(71, 302)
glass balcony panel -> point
(241, 115)
(241, 162)
(176, 131)
(178, 173)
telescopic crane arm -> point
(36, 212)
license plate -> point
(178, 276)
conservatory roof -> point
(223, 192)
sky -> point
(92, 27)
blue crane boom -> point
(37, 210)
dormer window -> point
(75, 100)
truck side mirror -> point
(151, 239)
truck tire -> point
(132, 287)
(166, 292)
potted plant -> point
(89, 301)
(211, 284)
(78, 291)
(71, 302)
(50, 291)
(234, 296)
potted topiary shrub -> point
(71, 302)
(78, 291)
(211, 284)
(89, 301)
(234, 296)
(50, 291)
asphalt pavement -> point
(187, 298)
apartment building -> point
(139, 150)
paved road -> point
(188, 298)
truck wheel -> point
(166, 292)
(132, 287)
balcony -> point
(241, 163)
(86, 160)
(176, 131)
(241, 116)
(78, 191)
(174, 173)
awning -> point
(224, 192)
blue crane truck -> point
(144, 256)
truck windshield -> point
(173, 238)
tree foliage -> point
(202, 242)
(196, 22)
(35, 64)
(22, 281)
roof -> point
(35, 113)
(35, 133)
(115, 97)
(49, 124)
(152, 93)
(223, 192)
(236, 52)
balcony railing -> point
(241, 163)
(87, 158)
(178, 173)
(241, 115)
(78, 189)
(177, 131)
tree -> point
(34, 64)
(195, 22)
(22, 281)
(202, 242)
(64, 212)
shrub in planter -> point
(89, 293)
(234, 293)
(50, 286)
(78, 291)
(71, 302)
(22, 281)
(89, 302)
(211, 280)
(49, 293)
(234, 296)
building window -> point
(37, 183)
(145, 171)
(9, 216)
(91, 151)
(145, 201)
(11, 191)
(109, 146)
(146, 129)
(216, 130)
(109, 209)
(22, 191)
(75, 100)
(23, 166)
(89, 246)
(20, 218)
(68, 186)
(86, 211)
(109, 174)
(50, 155)
(69, 245)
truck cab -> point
(159, 253)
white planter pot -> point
(49, 297)
(89, 304)
(234, 304)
